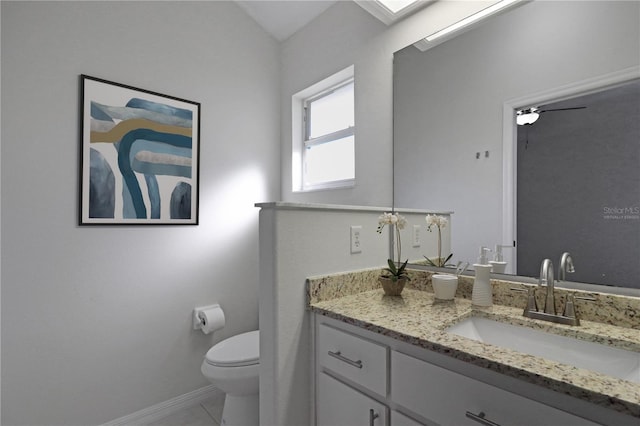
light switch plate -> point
(416, 236)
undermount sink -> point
(615, 362)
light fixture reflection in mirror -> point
(527, 116)
(469, 20)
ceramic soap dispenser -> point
(482, 294)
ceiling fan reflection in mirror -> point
(528, 116)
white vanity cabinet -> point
(372, 381)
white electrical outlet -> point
(416, 235)
(356, 245)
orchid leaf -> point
(447, 259)
(430, 261)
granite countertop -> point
(418, 318)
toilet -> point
(232, 366)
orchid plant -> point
(396, 270)
(440, 222)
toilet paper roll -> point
(212, 319)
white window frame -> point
(300, 126)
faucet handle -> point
(570, 306)
(532, 305)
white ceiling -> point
(281, 18)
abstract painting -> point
(139, 156)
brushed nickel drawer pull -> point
(372, 416)
(342, 358)
(480, 419)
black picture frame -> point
(140, 156)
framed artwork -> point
(139, 156)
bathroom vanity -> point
(391, 361)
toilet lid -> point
(236, 351)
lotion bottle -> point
(482, 294)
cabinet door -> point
(399, 419)
(449, 398)
(341, 405)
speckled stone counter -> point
(419, 319)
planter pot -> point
(444, 286)
(391, 287)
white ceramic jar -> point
(444, 286)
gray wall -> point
(96, 322)
(572, 166)
(347, 35)
(449, 102)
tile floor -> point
(207, 413)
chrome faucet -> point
(547, 278)
(566, 265)
(569, 315)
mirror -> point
(456, 141)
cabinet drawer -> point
(445, 397)
(354, 358)
(341, 405)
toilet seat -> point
(236, 351)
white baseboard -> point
(166, 408)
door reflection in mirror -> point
(578, 180)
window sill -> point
(341, 184)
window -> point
(390, 11)
(327, 126)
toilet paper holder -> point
(198, 317)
